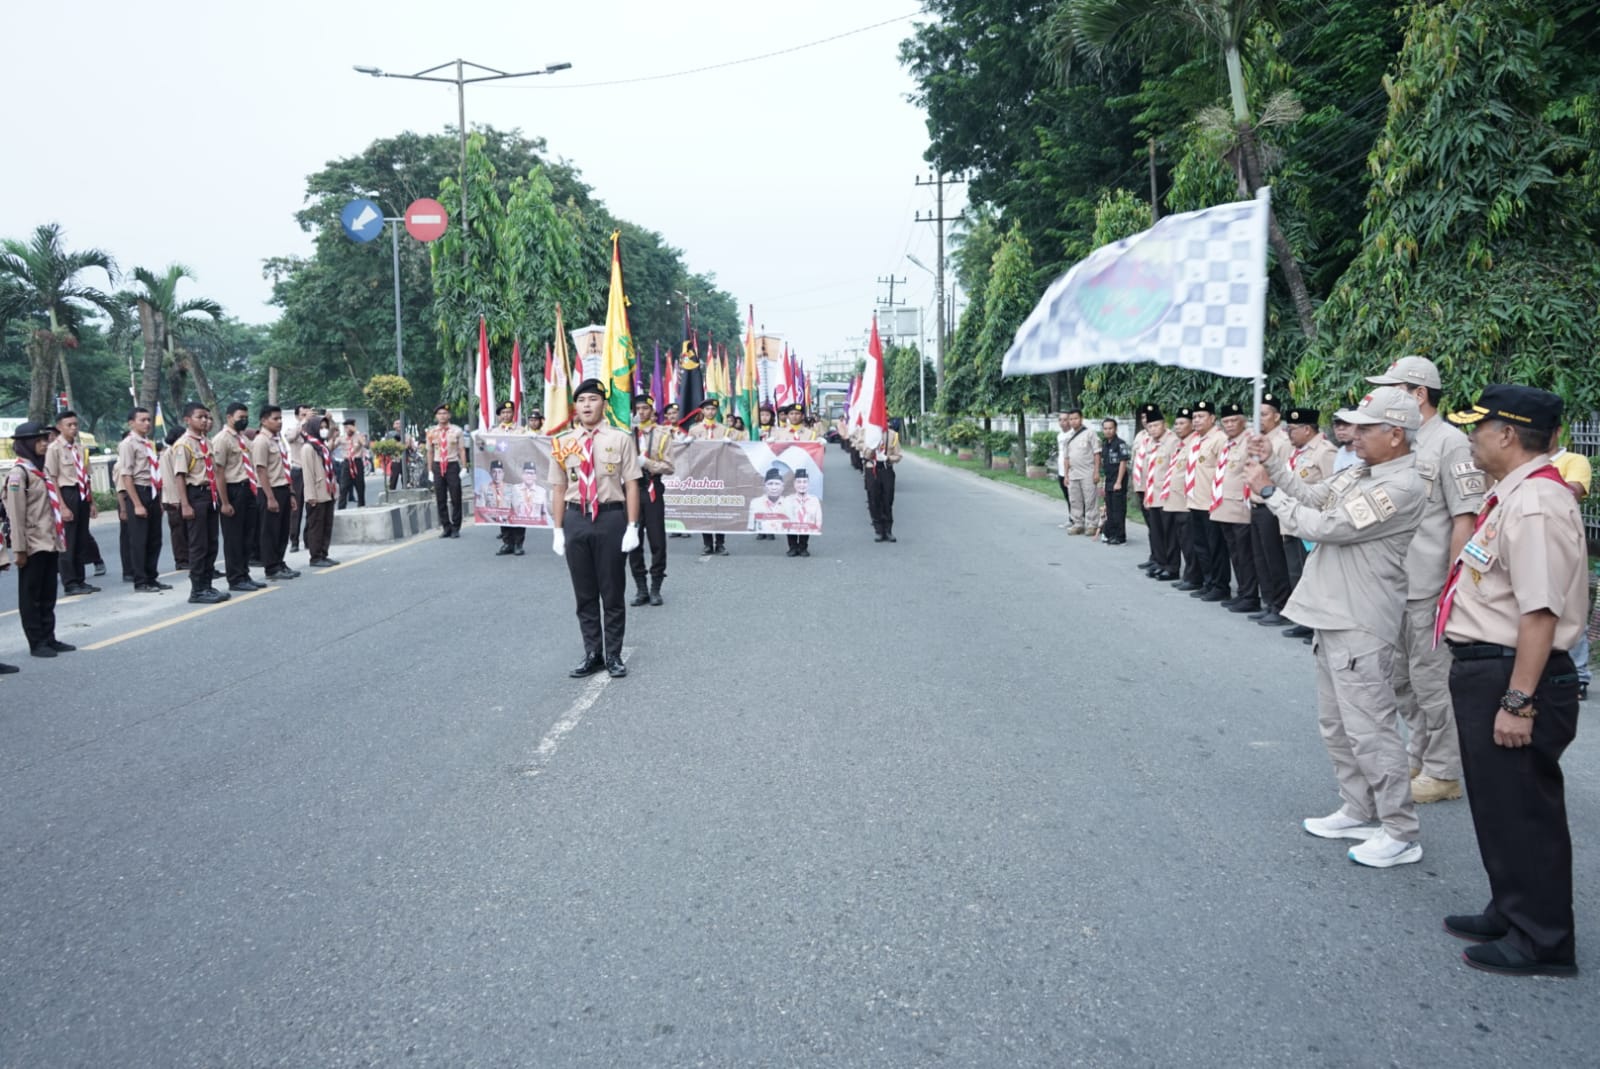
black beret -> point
(594, 386)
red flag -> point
(875, 418)
(516, 380)
(485, 381)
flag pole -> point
(1264, 199)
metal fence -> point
(1586, 440)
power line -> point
(727, 63)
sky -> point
(178, 131)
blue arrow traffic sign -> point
(362, 220)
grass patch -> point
(1049, 487)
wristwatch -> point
(1515, 701)
(1267, 491)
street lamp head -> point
(374, 71)
(552, 68)
(918, 262)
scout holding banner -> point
(717, 486)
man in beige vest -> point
(1080, 466)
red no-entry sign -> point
(426, 219)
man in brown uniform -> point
(707, 429)
(1230, 511)
(141, 488)
(1513, 605)
(65, 464)
(652, 441)
(1159, 443)
(594, 476)
(275, 497)
(199, 489)
(38, 537)
(1272, 568)
(1353, 594)
(1422, 672)
(1176, 506)
(1199, 489)
(878, 461)
(240, 484)
(321, 482)
(1310, 460)
(447, 459)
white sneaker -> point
(1340, 825)
(1382, 852)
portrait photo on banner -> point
(511, 480)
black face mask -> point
(240, 424)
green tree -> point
(40, 286)
(1478, 242)
(165, 321)
(1009, 296)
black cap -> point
(493, 464)
(1520, 406)
(772, 473)
(801, 473)
(30, 429)
(1230, 410)
(644, 400)
(1150, 412)
(1273, 400)
(1185, 412)
(795, 407)
(594, 386)
(1203, 406)
(1303, 417)
(530, 466)
(506, 406)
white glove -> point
(558, 542)
(630, 541)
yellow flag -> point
(557, 382)
(616, 355)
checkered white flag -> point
(1189, 292)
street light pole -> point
(461, 81)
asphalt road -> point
(985, 797)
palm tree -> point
(39, 283)
(163, 320)
(1099, 30)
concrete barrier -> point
(383, 523)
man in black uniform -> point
(652, 440)
(1114, 461)
(594, 480)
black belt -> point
(608, 506)
(1486, 651)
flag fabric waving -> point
(874, 414)
(749, 381)
(616, 353)
(1189, 292)
(516, 380)
(485, 378)
(557, 382)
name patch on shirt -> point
(1381, 502)
(1363, 512)
(1469, 480)
(1342, 481)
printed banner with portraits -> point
(716, 487)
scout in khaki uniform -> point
(1137, 472)
(594, 474)
(1266, 540)
(1164, 560)
(1310, 460)
(1175, 504)
(1199, 490)
(1513, 605)
(140, 484)
(321, 483)
(67, 467)
(274, 497)
(652, 441)
(38, 537)
(1421, 671)
(199, 490)
(240, 486)
(447, 459)
(1080, 467)
(877, 466)
(1353, 595)
(707, 429)
(511, 538)
(1230, 511)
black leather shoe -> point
(9, 669)
(504, 550)
(159, 585)
(805, 552)
(246, 586)
(590, 665)
(722, 551)
(641, 598)
(444, 532)
(1214, 596)
(519, 551)
(1297, 631)
(1165, 577)
(146, 588)
(887, 538)
(1245, 606)
(881, 537)
(1261, 614)
(1276, 619)
(793, 552)
(58, 646)
(455, 532)
(1474, 927)
(1184, 584)
(42, 651)
(706, 552)
(324, 562)
(655, 596)
(99, 570)
(1498, 957)
(207, 597)
(73, 590)
(615, 668)
(1146, 564)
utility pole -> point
(939, 219)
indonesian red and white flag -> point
(485, 379)
(874, 411)
(516, 380)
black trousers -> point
(273, 528)
(599, 576)
(252, 530)
(36, 597)
(1139, 496)
(880, 496)
(1182, 535)
(1164, 541)
(297, 485)
(177, 536)
(1294, 554)
(713, 541)
(653, 516)
(144, 537)
(1272, 565)
(235, 531)
(200, 535)
(1518, 800)
(75, 510)
(124, 546)
(1241, 552)
(352, 483)
(1116, 525)
(319, 528)
(397, 466)
(1210, 550)
(1061, 481)
(447, 495)
(513, 536)
(91, 548)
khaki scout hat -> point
(1386, 404)
(1410, 371)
